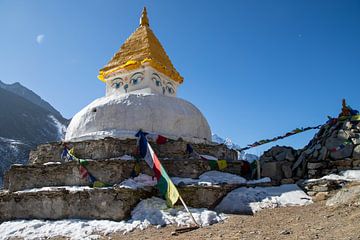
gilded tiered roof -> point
(142, 47)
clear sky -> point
(256, 69)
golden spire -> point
(144, 21)
(141, 48)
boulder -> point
(272, 170)
(356, 153)
(346, 196)
(342, 153)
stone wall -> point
(21, 177)
(277, 163)
(336, 147)
(114, 148)
(112, 204)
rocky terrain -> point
(26, 121)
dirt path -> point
(315, 221)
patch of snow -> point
(60, 127)
(152, 211)
(140, 181)
(51, 163)
(12, 143)
(126, 157)
(211, 178)
(261, 180)
(347, 175)
(216, 177)
(69, 188)
(251, 200)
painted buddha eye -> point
(117, 83)
(136, 78)
(156, 79)
(170, 88)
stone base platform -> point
(62, 203)
(112, 203)
(114, 148)
(21, 177)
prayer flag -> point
(164, 183)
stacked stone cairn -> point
(334, 148)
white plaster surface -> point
(121, 116)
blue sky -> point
(256, 69)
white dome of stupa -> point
(121, 116)
(141, 84)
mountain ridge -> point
(26, 121)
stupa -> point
(141, 85)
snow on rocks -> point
(348, 175)
(250, 200)
(149, 212)
(140, 181)
(215, 178)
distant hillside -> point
(26, 93)
(26, 120)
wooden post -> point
(184, 204)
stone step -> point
(113, 171)
(114, 148)
(65, 202)
(111, 203)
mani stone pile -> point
(334, 148)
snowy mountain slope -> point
(230, 144)
(25, 124)
(29, 95)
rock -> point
(323, 154)
(321, 185)
(342, 153)
(290, 156)
(316, 165)
(204, 196)
(272, 170)
(299, 161)
(355, 141)
(315, 154)
(356, 163)
(287, 181)
(286, 168)
(332, 143)
(341, 163)
(320, 196)
(347, 125)
(346, 196)
(265, 158)
(343, 134)
(356, 153)
(281, 156)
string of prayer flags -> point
(164, 183)
(215, 164)
(83, 171)
(288, 134)
(159, 139)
